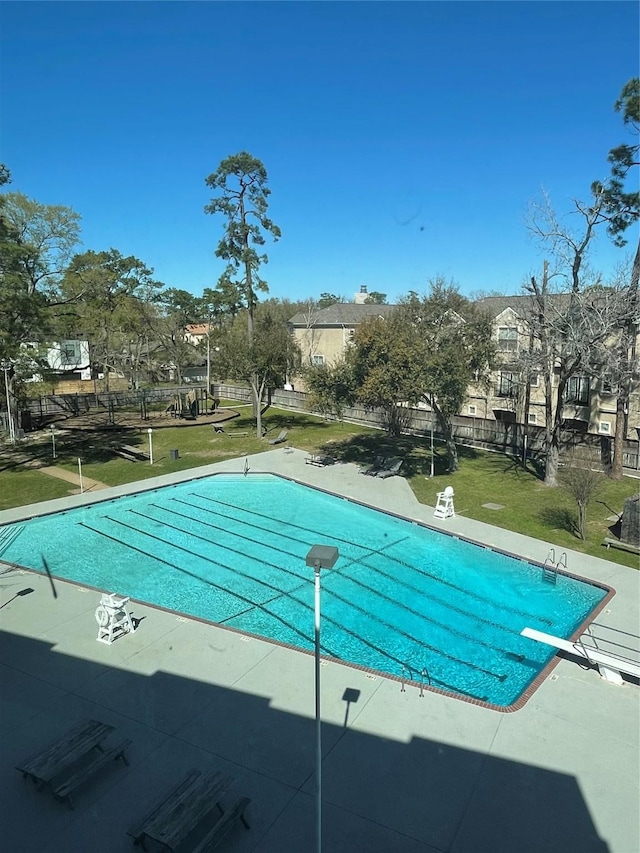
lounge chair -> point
(320, 460)
(390, 470)
(378, 465)
(280, 438)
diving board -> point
(610, 666)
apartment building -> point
(516, 391)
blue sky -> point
(402, 140)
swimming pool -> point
(402, 599)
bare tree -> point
(573, 317)
(583, 485)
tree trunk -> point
(582, 521)
(551, 463)
(452, 453)
(257, 390)
(618, 439)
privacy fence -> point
(512, 438)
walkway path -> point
(88, 485)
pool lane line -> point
(252, 605)
(300, 581)
(478, 641)
(419, 592)
(469, 638)
(396, 630)
(237, 595)
(424, 617)
(225, 530)
(423, 572)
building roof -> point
(196, 329)
(341, 314)
(523, 304)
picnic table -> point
(63, 765)
(187, 806)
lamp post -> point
(150, 432)
(320, 557)
(53, 441)
(6, 365)
(432, 466)
(208, 363)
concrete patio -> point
(401, 772)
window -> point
(507, 339)
(534, 380)
(577, 390)
(70, 352)
(317, 359)
(604, 427)
(473, 410)
(533, 418)
(508, 386)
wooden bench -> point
(133, 454)
(182, 810)
(175, 795)
(62, 789)
(623, 546)
(226, 821)
(63, 753)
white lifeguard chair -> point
(444, 507)
(113, 617)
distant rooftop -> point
(341, 314)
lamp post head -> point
(149, 430)
(322, 557)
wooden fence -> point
(515, 439)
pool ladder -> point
(551, 567)
(407, 675)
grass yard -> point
(528, 507)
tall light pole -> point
(320, 557)
(432, 466)
(208, 365)
(6, 365)
(431, 419)
(150, 432)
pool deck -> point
(402, 773)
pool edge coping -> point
(45, 508)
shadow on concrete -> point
(380, 795)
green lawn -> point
(529, 507)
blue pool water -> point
(231, 549)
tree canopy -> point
(621, 205)
(429, 349)
(240, 183)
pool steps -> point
(8, 535)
